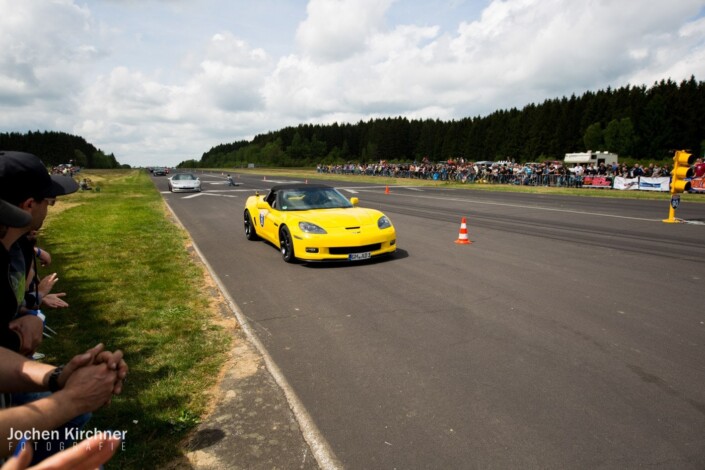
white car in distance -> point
(183, 182)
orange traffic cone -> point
(386, 190)
(463, 235)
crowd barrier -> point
(641, 183)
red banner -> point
(697, 184)
(597, 182)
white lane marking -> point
(211, 191)
(282, 181)
(220, 195)
(193, 195)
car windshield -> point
(312, 198)
(184, 176)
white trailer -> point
(590, 157)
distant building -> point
(590, 157)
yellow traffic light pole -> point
(682, 161)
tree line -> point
(636, 122)
(57, 148)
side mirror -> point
(355, 201)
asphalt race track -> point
(569, 334)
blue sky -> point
(157, 82)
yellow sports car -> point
(314, 222)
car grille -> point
(346, 250)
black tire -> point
(250, 231)
(286, 244)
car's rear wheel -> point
(250, 231)
(286, 244)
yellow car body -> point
(314, 222)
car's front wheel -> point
(250, 231)
(286, 244)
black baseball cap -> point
(13, 216)
(23, 175)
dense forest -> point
(56, 148)
(636, 122)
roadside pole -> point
(682, 161)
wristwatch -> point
(54, 379)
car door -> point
(269, 218)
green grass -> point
(132, 284)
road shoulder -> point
(251, 425)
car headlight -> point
(384, 222)
(308, 227)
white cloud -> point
(232, 74)
(337, 29)
(40, 60)
(168, 89)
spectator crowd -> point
(552, 173)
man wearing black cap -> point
(26, 184)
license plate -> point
(359, 256)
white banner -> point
(626, 183)
(643, 183)
(655, 184)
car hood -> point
(340, 218)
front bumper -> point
(185, 190)
(331, 247)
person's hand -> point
(115, 362)
(89, 454)
(78, 361)
(44, 258)
(95, 356)
(47, 284)
(55, 300)
(89, 387)
(30, 329)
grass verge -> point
(133, 284)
